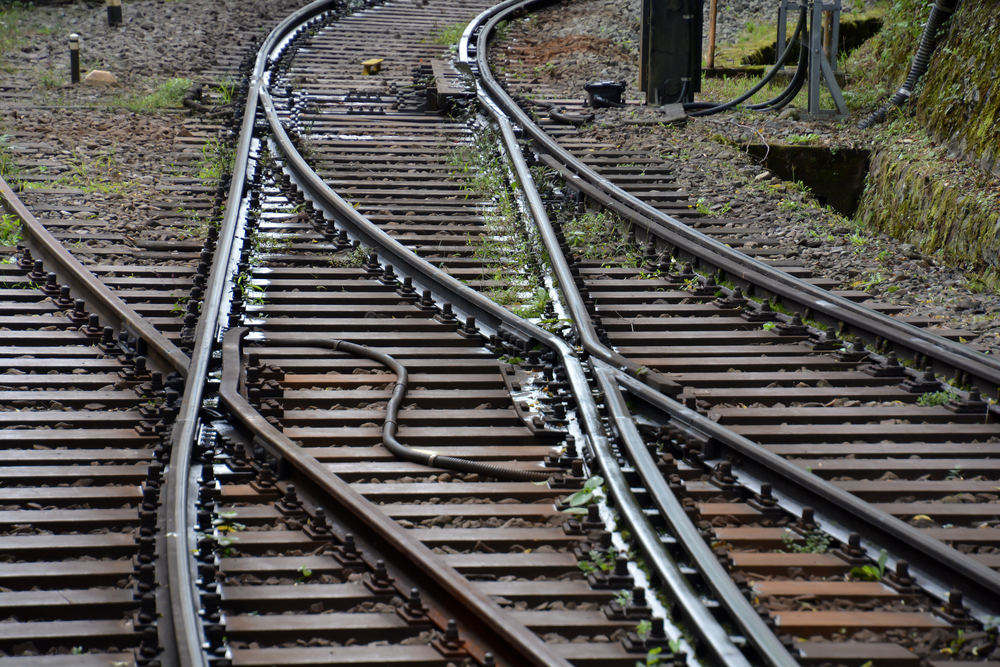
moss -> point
(959, 100)
(920, 203)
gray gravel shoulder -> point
(712, 167)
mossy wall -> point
(959, 98)
(913, 195)
(918, 203)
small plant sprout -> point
(578, 501)
(653, 656)
(871, 572)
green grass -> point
(167, 95)
(450, 35)
(13, 32)
(216, 161)
(8, 161)
(10, 230)
(601, 235)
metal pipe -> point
(74, 58)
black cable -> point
(392, 413)
(928, 40)
(782, 59)
(790, 91)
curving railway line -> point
(450, 384)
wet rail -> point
(363, 457)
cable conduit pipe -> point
(395, 403)
(928, 41)
(484, 610)
(587, 412)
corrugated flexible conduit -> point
(928, 40)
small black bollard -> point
(114, 12)
(74, 58)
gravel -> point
(592, 40)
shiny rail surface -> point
(307, 501)
(975, 579)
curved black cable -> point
(928, 40)
(392, 412)
(790, 91)
(782, 59)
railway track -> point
(361, 457)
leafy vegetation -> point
(216, 159)
(601, 235)
(585, 496)
(449, 35)
(600, 561)
(10, 230)
(9, 168)
(817, 542)
(936, 398)
(871, 572)
(510, 264)
(167, 95)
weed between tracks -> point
(10, 230)
(601, 235)
(510, 276)
(216, 160)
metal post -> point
(74, 58)
(712, 11)
(815, 53)
(114, 12)
(782, 20)
(820, 59)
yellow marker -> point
(372, 66)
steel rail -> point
(582, 320)
(703, 624)
(977, 581)
(508, 632)
(467, 300)
(772, 651)
(179, 530)
(160, 350)
(932, 557)
(818, 302)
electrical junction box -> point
(670, 50)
